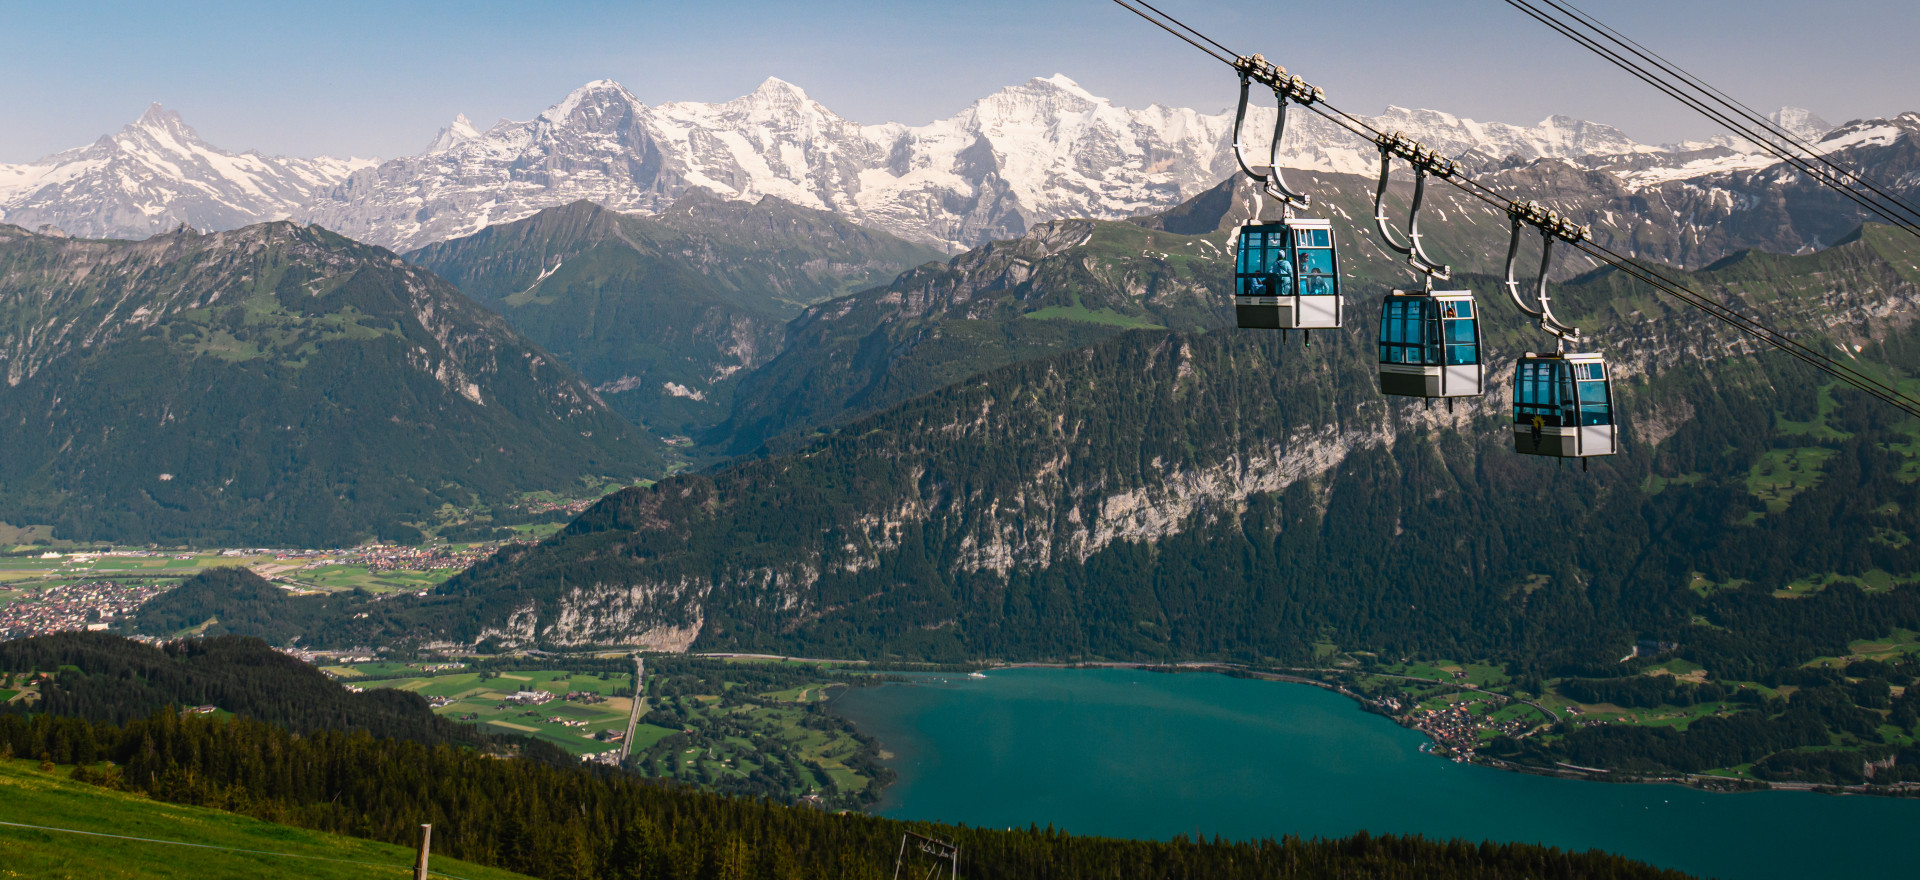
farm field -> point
(600, 704)
(739, 726)
(26, 572)
(49, 799)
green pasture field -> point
(484, 698)
(1871, 581)
(1678, 717)
(32, 571)
(1484, 675)
(1780, 474)
(340, 577)
(50, 799)
(1892, 649)
(740, 756)
(725, 730)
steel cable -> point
(1652, 277)
(1733, 105)
(1890, 212)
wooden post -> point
(426, 846)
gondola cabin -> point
(1430, 345)
(1563, 406)
(1287, 276)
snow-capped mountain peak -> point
(1043, 149)
(1802, 123)
(156, 174)
(159, 119)
(594, 96)
(774, 88)
(457, 132)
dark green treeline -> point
(567, 823)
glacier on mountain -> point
(1044, 149)
(1041, 150)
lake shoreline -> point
(1698, 781)
(1119, 752)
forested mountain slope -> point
(107, 678)
(275, 384)
(1062, 286)
(665, 313)
(1174, 495)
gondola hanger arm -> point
(1553, 227)
(1425, 162)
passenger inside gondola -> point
(1313, 250)
(1264, 270)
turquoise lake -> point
(1128, 753)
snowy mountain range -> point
(156, 174)
(1037, 151)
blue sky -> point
(365, 78)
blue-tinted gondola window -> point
(1534, 393)
(1401, 332)
(1262, 253)
(1462, 338)
(1596, 407)
(1313, 252)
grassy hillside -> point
(32, 796)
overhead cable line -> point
(1693, 92)
(1550, 223)
(1771, 129)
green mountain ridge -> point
(1064, 285)
(275, 384)
(665, 313)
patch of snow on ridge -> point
(676, 389)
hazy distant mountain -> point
(665, 314)
(272, 385)
(156, 174)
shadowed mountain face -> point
(665, 314)
(271, 385)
